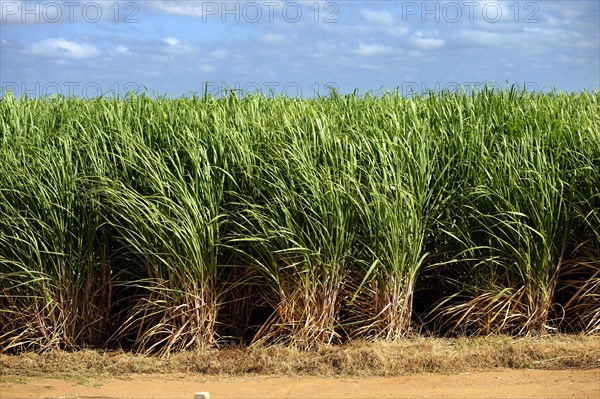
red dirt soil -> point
(495, 384)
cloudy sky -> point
(296, 48)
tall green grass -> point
(170, 224)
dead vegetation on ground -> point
(410, 356)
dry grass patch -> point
(410, 356)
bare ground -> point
(493, 384)
(562, 366)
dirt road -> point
(496, 384)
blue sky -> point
(296, 48)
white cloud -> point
(206, 68)
(572, 11)
(320, 50)
(122, 50)
(397, 30)
(325, 46)
(368, 50)
(219, 53)
(553, 38)
(378, 17)
(475, 36)
(171, 41)
(553, 22)
(528, 39)
(177, 47)
(272, 38)
(426, 43)
(187, 8)
(62, 48)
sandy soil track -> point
(496, 384)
